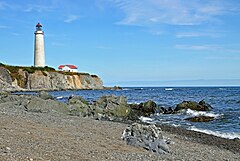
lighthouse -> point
(39, 55)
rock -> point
(200, 119)
(113, 88)
(148, 107)
(37, 104)
(142, 109)
(77, 100)
(205, 105)
(44, 95)
(147, 136)
(164, 110)
(5, 75)
(78, 106)
(113, 106)
(193, 106)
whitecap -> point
(201, 113)
(146, 119)
(176, 125)
(60, 97)
(230, 135)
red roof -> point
(70, 66)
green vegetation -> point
(73, 73)
(94, 76)
(32, 69)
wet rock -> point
(164, 110)
(45, 95)
(200, 119)
(147, 136)
(201, 106)
(205, 105)
(148, 107)
(143, 109)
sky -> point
(129, 42)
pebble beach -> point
(53, 136)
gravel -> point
(53, 136)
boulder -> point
(14, 101)
(45, 95)
(165, 110)
(112, 106)
(78, 106)
(77, 100)
(37, 104)
(205, 105)
(142, 109)
(200, 119)
(147, 136)
(201, 106)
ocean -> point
(224, 100)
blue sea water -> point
(224, 100)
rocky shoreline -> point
(40, 128)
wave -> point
(194, 113)
(146, 119)
(229, 135)
(59, 97)
(127, 89)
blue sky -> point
(129, 42)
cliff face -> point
(44, 80)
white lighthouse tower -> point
(39, 55)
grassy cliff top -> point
(32, 69)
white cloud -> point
(38, 8)
(174, 12)
(215, 48)
(198, 47)
(103, 47)
(198, 34)
(71, 18)
(15, 34)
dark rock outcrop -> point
(112, 106)
(147, 136)
(201, 106)
(200, 119)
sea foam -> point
(194, 113)
(230, 135)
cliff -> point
(14, 78)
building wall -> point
(39, 55)
(67, 69)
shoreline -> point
(197, 137)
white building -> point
(68, 68)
